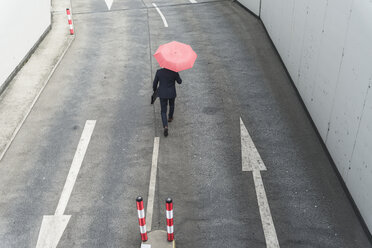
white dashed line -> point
(151, 197)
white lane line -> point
(193, 1)
(109, 3)
(161, 15)
(251, 161)
(75, 166)
(151, 196)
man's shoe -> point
(165, 132)
(170, 119)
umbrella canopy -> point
(175, 56)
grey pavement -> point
(106, 75)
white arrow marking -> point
(266, 218)
(161, 15)
(109, 3)
(151, 196)
(53, 226)
(251, 161)
(193, 1)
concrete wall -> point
(23, 23)
(252, 5)
(326, 46)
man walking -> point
(166, 93)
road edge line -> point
(152, 184)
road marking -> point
(51, 230)
(193, 1)
(53, 226)
(161, 15)
(251, 161)
(266, 218)
(151, 196)
(75, 166)
(109, 3)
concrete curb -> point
(24, 60)
(34, 101)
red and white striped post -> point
(70, 21)
(170, 229)
(141, 218)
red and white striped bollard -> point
(70, 21)
(170, 229)
(141, 218)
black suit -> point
(166, 91)
(167, 87)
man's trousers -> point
(164, 105)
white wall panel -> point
(297, 38)
(310, 50)
(326, 46)
(252, 5)
(24, 22)
(349, 108)
(360, 174)
(284, 28)
(266, 9)
(354, 77)
(330, 57)
(267, 15)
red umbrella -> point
(175, 56)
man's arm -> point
(156, 81)
(178, 78)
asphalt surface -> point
(107, 76)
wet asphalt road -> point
(107, 76)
